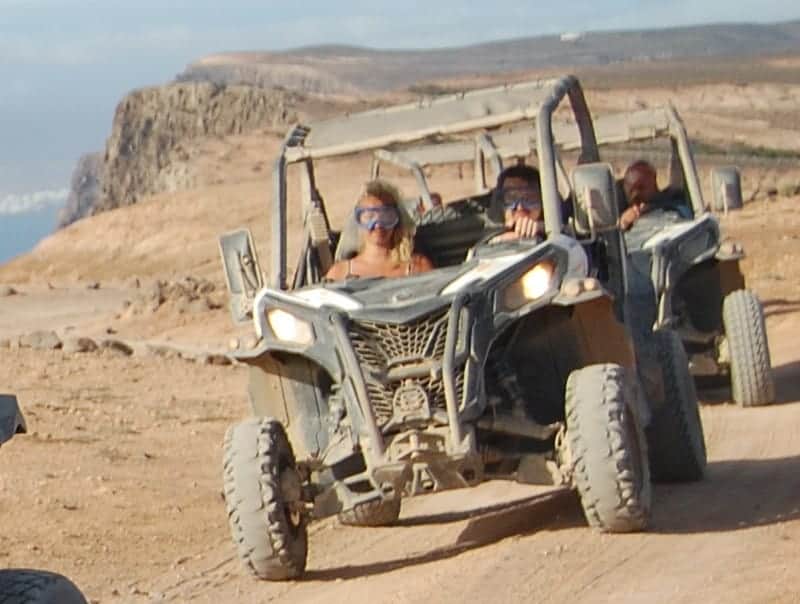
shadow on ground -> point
(780, 306)
(560, 509)
(735, 494)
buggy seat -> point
(444, 234)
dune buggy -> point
(24, 585)
(684, 273)
(508, 361)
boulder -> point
(76, 345)
(117, 347)
(41, 340)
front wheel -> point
(607, 449)
(373, 513)
(675, 433)
(263, 495)
(22, 586)
(751, 370)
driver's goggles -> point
(385, 217)
(521, 199)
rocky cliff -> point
(153, 140)
(153, 129)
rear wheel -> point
(263, 497)
(19, 586)
(675, 434)
(748, 350)
(374, 513)
(608, 450)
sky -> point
(64, 64)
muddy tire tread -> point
(675, 435)
(373, 513)
(259, 526)
(603, 468)
(752, 384)
(24, 586)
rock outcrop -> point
(85, 189)
(152, 140)
(147, 150)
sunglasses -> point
(385, 217)
(525, 198)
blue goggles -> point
(385, 217)
(521, 198)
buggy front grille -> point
(381, 346)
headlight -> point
(536, 281)
(532, 285)
(288, 328)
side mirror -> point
(242, 272)
(726, 186)
(595, 192)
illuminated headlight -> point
(532, 285)
(288, 328)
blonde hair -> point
(403, 234)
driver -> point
(386, 233)
(519, 191)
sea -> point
(20, 232)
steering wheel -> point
(486, 238)
(491, 234)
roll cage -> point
(492, 148)
(651, 124)
(455, 114)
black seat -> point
(446, 234)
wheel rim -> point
(291, 488)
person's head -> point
(383, 220)
(519, 192)
(640, 182)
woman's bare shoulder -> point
(338, 271)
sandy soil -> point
(118, 482)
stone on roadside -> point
(196, 307)
(219, 359)
(117, 347)
(41, 340)
(7, 290)
(77, 345)
(159, 350)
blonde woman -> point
(386, 235)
